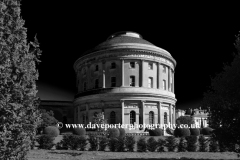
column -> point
(173, 90)
(122, 102)
(143, 112)
(169, 79)
(159, 112)
(103, 74)
(174, 114)
(142, 73)
(170, 114)
(122, 72)
(158, 73)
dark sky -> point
(200, 38)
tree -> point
(185, 120)
(19, 115)
(98, 119)
(223, 101)
(48, 119)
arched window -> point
(132, 117)
(96, 68)
(151, 117)
(112, 117)
(113, 65)
(165, 117)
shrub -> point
(194, 131)
(81, 143)
(158, 132)
(207, 131)
(181, 132)
(120, 147)
(103, 142)
(113, 132)
(79, 131)
(73, 142)
(203, 144)
(185, 120)
(161, 144)
(192, 143)
(170, 131)
(152, 144)
(122, 132)
(129, 143)
(142, 145)
(93, 141)
(51, 130)
(45, 141)
(182, 147)
(171, 143)
(112, 144)
(213, 145)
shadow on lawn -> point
(67, 153)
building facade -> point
(128, 79)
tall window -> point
(150, 66)
(96, 83)
(84, 86)
(150, 82)
(96, 68)
(113, 81)
(164, 69)
(165, 117)
(84, 71)
(132, 117)
(112, 117)
(132, 64)
(83, 119)
(164, 84)
(151, 117)
(113, 65)
(132, 81)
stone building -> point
(127, 78)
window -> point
(151, 117)
(113, 65)
(96, 68)
(113, 81)
(150, 82)
(165, 117)
(132, 64)
(96, 83)
(83, 119)
(112, 117)
(164, 84)
(84, 86)
(164, 69)
(150, 65)
(132, 81)
(132, 117)
(84, 71)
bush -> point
(213, 145)
(142, 145)
(81, 143)
(181, 132)
(103, 142)
(155, 132)
(152, 144)
(113, 132)
(194, 131)
(129, 143)
(161, 144)
(120, 147)
(45, 141)
(185, 120)
(192, 143)
(122, 132)
(171, 143)
(93, 141)
(203, 144)
(207, 131)
(51, 130)
(79, 131)
(182, 147)
(112, 144)
(170, 131)
(73, 142)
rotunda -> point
(128, 79)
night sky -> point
(200, 38)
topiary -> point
(142, 145)
(122, 132)
(194, 131)
(161, 144)
(129, 143)
(182, 146)
(158, 132)
(81, 143)
(51, 130)
(181, 132)
(170, 131)
(213, 145)
(103, 142)
(112, 144)
(120, 147)
(171, 143)
(79, 131)
(45, 142)
(192, 143)
(93, 141)
(203, 144)
(113, 132)
(152, 144)
(207, 131)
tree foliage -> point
(19, 116)
(223, 101)
(185, 120)
(48, 118)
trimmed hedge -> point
(171, 143)
(45, 142)
(73, 142)
(113, 132)
(122, 132)
(79, 131)
(194, 131)
(93, 141)
(152, 144)
(156, 132)
(192, 143)
(203, 144)
(182, 146)
(207, 131)
(51, 131)
(181, 132)
(161, 144)
(142, 144)
(103, 142)
(129, 143)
